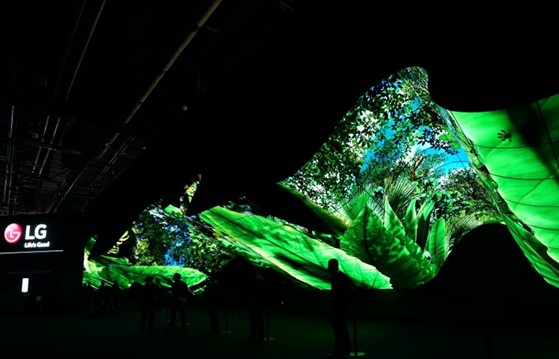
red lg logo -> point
(13, 233)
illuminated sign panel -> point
(30, 236)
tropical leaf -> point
(437, 244)
(388, 248)
(356, 240)
(424, 222)
(336, 224)
(515, 149)
(191, 276)
(353, 208)
(290, 251)
(534, 251)
(391, 221)
(410, 220)
(110, 270)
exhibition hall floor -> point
(292, 335)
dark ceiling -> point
(107, 106)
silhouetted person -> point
(113, 298)
(179, 297)
(163, 300)
(341, 287)
(148, 304)
(102, 299)
(212, 299)
(88, 294)
(160, 294)
(256, 305)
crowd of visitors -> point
(163, 303)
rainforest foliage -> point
(389, 185)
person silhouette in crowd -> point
(341, 287)
(212, 303)
(256, 305)
(148, 304)
(102, 299)
(114, 301)
(179, 297)
(87, 296)
(160, 305)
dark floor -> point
(292, 335)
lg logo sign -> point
(14, 232)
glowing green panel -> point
(289, 250)
(534, 251)
(516, 146)
(118, 270)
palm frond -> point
(399, 194)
